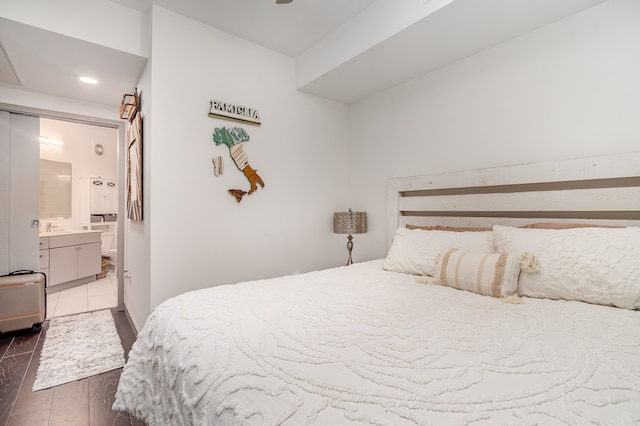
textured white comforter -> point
(358, 345)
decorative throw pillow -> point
(494, 275)
(415, 251)
(594, 265)
(553, 225)
(448, 228)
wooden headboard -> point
(598, 190)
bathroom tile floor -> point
(101, 294)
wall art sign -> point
(234, 112)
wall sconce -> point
(349, 223)
(49, 141)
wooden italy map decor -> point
(234, 139)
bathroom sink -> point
(64, 232)
(56, 231)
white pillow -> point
(415, 251)
(595, 265)
(494, 275)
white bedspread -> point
(358, 345)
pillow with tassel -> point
(494, 275)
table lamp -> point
(349, 223)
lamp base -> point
(349, 248)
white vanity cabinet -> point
(44, 256)
(73, 257)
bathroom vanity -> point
(70, 257)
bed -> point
(479, 314)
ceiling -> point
(45, 62)
(286, 28)
(41, 61)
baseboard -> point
(126, 313)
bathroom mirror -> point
(55, 190)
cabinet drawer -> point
(44, 243)
(74, 239)
(44, 259)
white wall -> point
(567, 90)
(199, 235)
(137, 279)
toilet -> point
(106, 248)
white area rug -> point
(78, 346)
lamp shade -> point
(350, 222)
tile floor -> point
(101, 294)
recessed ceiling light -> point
(88, 80)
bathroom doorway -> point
(92, 154)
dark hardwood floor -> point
(84, 402)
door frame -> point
(102, 122)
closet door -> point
(19, 191)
